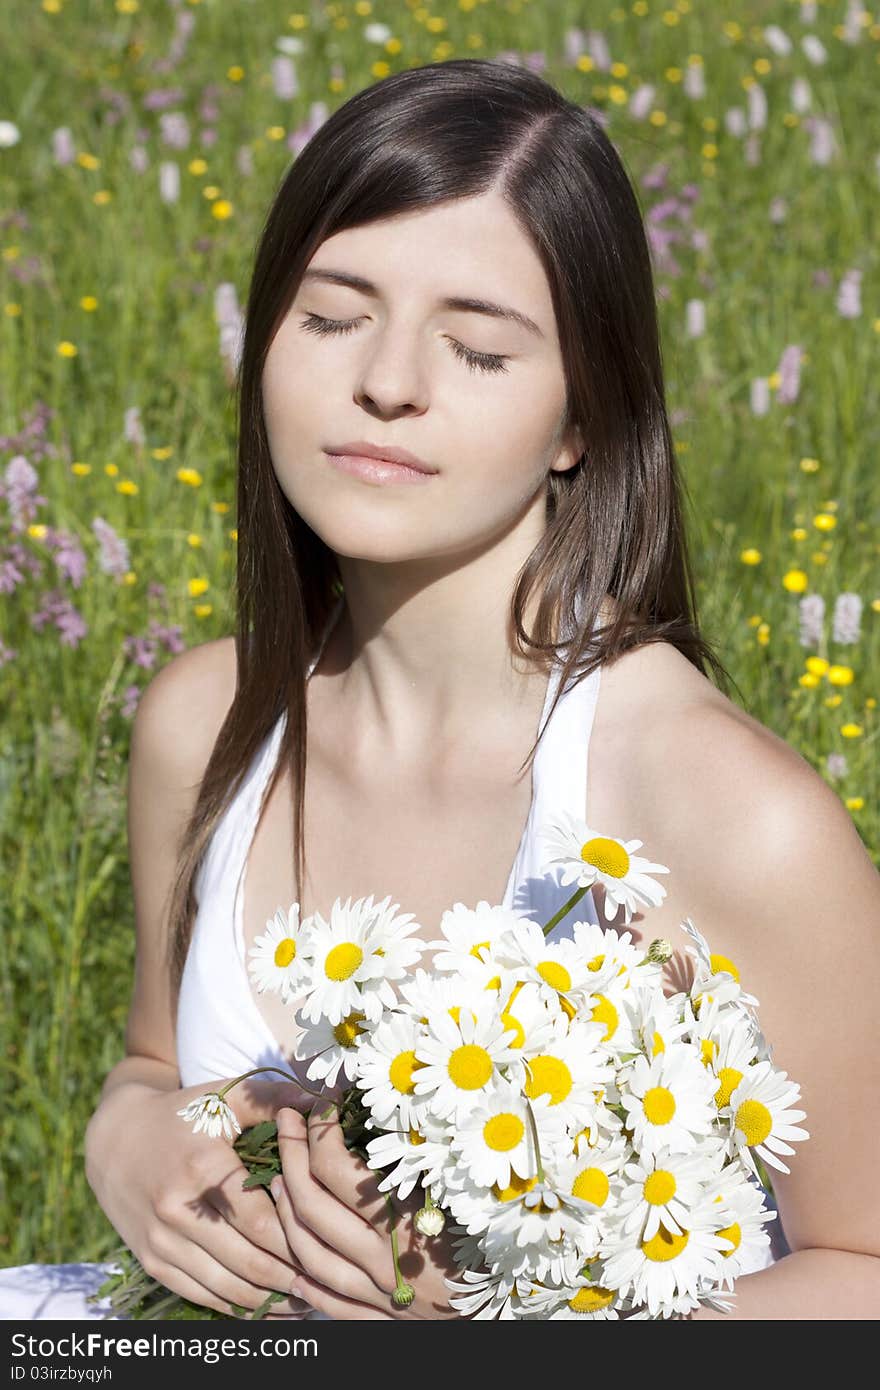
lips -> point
(389, 454)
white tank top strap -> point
(560, 773)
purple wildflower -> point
(114, 558)
(70, 557)
(847, 618)
(811, 613)
(789, 371)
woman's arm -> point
(766, 860)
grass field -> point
(140, 145)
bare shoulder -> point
(712, 793)
(182, 709)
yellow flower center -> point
(548, 1075)
(346, 1031)
(494, 983)
(503, 1132)
(592, 1185)
(343, 961)
(477, 949)
(708, 1048)
(723, 963)
(664, 1245)
(517, 1187)
(519, 1032)
(567, 1007)
(416, 1138)
(609, 856)
(729, 1078)
(659, 1105)
(659, 1187)
(731, 1233)
(659, 1045)
(605, 1012)
(400, 1073)
(285, 952)
(591, 1299)
(469, 1067)
(555, 974)
(596, 963)
(755, 1121)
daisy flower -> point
(659, 1022)
(588, 858)
(276, 960)
(353, 956)
(462, 1059)
(526, 1233)
(212, 1115)
(481, 1294)
(665, 1188)
(557, 967)
(726, 1042)
(581, 1298)
(414, 1153)
(760, 1118)
(395, 942)
(526, 1013)
(426, 994)
(570, 1069)
(745, 1217)
(333, 1047)
(714, 972)
(669, 1102)
(387, 1066)
(669, 1272)
(610, 956)
(495, 1137)
(468, 933)
(615, 1008)
(593, 1174)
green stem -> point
(566, 907)
(404, 1293)
(319, 1095)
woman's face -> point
(398, 378)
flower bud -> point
(403, 1296)
(659, 951)
(429, 1221)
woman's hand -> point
(176, 1197)
(338, 1226)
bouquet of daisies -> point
(593, 1143)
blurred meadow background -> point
(141, 142)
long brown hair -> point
(448, 130)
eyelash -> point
(475, 361)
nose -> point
(392, 380)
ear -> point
(570, 451)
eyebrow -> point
(456, 302)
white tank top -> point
(220, 1029)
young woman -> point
(454, 276)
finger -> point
(251, 1212)
(183, 1284)
(323, 1263)
(212, 1222)
(224, 1283)
(330, 1219)
(342, 1172)
(337, 1306)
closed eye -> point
(475, 361)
